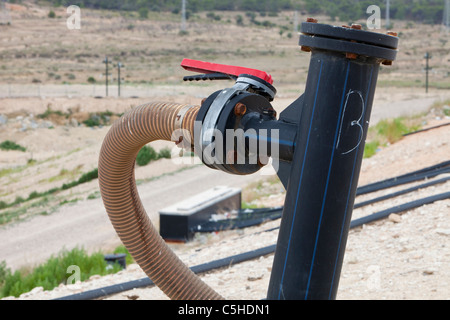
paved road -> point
(86, 224)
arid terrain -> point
(44, 67)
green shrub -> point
(69, 185)
(92, 122)
(121, 249)
(88, 176)
(52, 14)
(10, 145)
(371, 148)
(164, 153)
(4, 272)
(53, 272)
(143, 13)
(392, 130)
(49, 112)
(145, 155)
(85, 177)
(34, 195)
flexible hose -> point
(136, 128)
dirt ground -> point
(406, 256)
(403, 257)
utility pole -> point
(446, 18)
(183, 15)
(5, 17)
(296, 22)
(119, 65)
(427, 68)
(106, 63)
(388, 18)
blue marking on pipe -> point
(349, 190)
(269, 139)
(327, 183)
(300, 183)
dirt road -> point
(86, 224)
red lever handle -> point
(208, 67)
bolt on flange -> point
(389, 62)
(305, 48)
(240, 109)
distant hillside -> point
(428, 11)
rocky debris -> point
(403, 257)
(396, 218)
(3, 119)
(26, 123)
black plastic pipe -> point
(400, 208)
(328, 153)
(425, 173)
(246, 256)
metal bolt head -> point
(231, 157)
(387, 62)
(305, 48)
(351, 55)
(311, 20)
(240, 109)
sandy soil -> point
(403, 257)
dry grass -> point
(38, 49)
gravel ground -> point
(405, 256)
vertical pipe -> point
(427, 68)
(118, 71)
(323, 179)
(106, 62)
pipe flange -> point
(212, 109)
(349, 41)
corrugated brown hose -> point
(136, 128)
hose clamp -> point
(180, 116)
(178, 135)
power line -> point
(388, 18)
(446, 17)
(183, 15)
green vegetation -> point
(100, 118)
(428, 11)
(10, 215)
(145, 155)
(56, 271)
(10, 145)
(143, 13)
(388, 132)
(95, 118)
(193, 5)
(86, 177)
(16, 212)
(148, 154)
(371, 148)
(442, 107)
